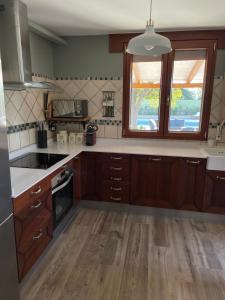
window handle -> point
(168, 100)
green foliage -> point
(183, 101)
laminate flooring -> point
(108, 255)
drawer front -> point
(27, 260)
(115, 157)
(29, 234)
(114, 192)
(115, 168)
(33, 200)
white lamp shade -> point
(149, 43)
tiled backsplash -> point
(26, 108)
(92, 91)
(23, 110)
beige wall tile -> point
(32, 136)
(111, 131)
(24, 138)
(101, 131)
(14, 141)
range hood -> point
(15, 48)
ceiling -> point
(90, 17)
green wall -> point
(41, 55)
(85, 56)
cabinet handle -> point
(116, 178)
(220, 178)
(39, 190)
(116, 169)
(115, 188)
(38, 205)
(77, 157)
(116, 158)
(115, 198)
(37, 237)
(155, 159)
(193, 162)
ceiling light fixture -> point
(149, 43)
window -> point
(169, 96)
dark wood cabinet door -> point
(214, 196)
(190, 184)
(88, 175)
(153, 181)
(77, 179)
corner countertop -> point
(22, 179)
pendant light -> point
(149, 43)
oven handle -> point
(58, 188)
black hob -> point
(37, 160)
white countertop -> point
(22, 179)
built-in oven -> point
(62, 194)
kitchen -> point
(112, 150)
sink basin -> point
(216, 152)
(216, 159)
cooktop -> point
(37, 160)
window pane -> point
(187, 91)
(145, 93)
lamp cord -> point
(150, 20)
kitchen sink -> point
(216, 159)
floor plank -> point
(109, 255)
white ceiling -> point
(84, 17)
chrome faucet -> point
(219, 130)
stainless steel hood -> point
(15, 48)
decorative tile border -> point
(21, 127)
(106, 122)
(42, 76)
(88, 78)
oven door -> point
(62, 197)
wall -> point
(82, 58)
(24, 110)
(87, 56)
(41, 55)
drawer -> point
(28, 233)
(115, 173)
(33, 200)
(115, 157)
(26, 260)
(114, 192)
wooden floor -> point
(122, 256)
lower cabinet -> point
(88, 175)
(168, 182)
(33, 225)
(77, 166)
(190, 184)
(113, 177)
(214, 196)
(154, 181)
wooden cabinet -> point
(113, 177)
(190, 184)
(88, 175)
(154, 180)
(77, 179)
(33, 224)
(168, 182)
(214, 196)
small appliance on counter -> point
(90, 135)
(42, 136)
